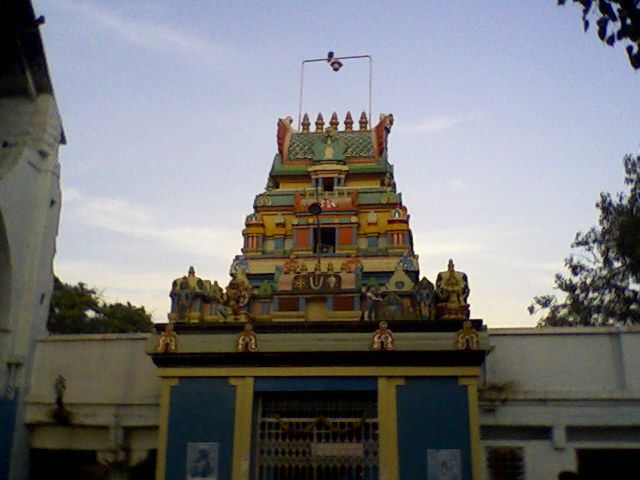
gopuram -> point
(325, 355)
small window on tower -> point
(327, 240)
(327, 184)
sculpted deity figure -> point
(372, 299)
(182, 295)
(215, 299)
(192, 298)
(351, 263)
(168, 340)
(283, 135)
(216, 292)
(381, 131)
(392, 307)
(239, 263)
(237, 295)
(452, 290)
(425, 295)
(389, 183)
(291, 265)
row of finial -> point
(333, 123)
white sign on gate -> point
(202, 461)
(444, 464)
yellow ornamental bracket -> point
(247, 340)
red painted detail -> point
(303, 238)
(343, 303)
(345, 236)
(289, 304)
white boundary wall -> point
(540, 389)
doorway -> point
(316, 436)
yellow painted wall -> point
(253, 230)
(382, 226)
(294, 184)
(362, 182)
(316, 309)
(270, 225)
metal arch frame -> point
(313, 60)
(302, 65)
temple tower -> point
(326, 355)
(330, 208)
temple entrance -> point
(316, 436)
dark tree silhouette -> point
(80, 309)
(617, 20)
(602, 286)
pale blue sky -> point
(509, 121)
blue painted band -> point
(329, 384)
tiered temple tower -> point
(326, 355)
(328, 239)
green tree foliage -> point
(616, 20)
(81, 309)
(602, 286)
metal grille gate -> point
(317, 436)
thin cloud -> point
(115, 285)
(125, 218)
(444, 122)
(485, 239)
(151, 35)
(103, 275)
(117, 217)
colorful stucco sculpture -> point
(328, 239)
